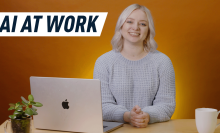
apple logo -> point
(65, 104)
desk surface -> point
(172, 126)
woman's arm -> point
(111, 111)
(164, 102)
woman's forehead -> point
(138, 14)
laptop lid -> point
(69, 104)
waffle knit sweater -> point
(148, 83)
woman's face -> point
(135, 27)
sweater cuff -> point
(119, 115)
(152, 113)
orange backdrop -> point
(187, 31)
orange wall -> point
(187, 31)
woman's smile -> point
(135, 28)
(134, 34)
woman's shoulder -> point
(159, 57)
(108, 57)
(158, 54)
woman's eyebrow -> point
(144, 20)
(140, 20)
(130, 18)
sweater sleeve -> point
(110, 110)
(164, 101)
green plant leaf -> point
(23, 99)
(34, 112)
(29, 112)
(11, 104)
(24, 114)
(37, 104)
(11, 108)
(32, 103)
(17, 104)
(26, 104)
(34, 108)
(12, 116)
(19, 108)
(17, 113)
(30, 98)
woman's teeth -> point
(136, 34)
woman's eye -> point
(143, 24)
(129, 22)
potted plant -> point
(21, 118)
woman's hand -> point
(137, 117)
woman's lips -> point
(134, 34)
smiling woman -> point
(132, 13)
(137, 81)
(135, 28)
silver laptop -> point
(69, 104)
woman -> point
(137, 81)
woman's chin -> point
(135, 41)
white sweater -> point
(148, 83)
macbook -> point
(69, 104)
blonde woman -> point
(137, 81)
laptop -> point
(69, 104)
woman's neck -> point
(133, 51)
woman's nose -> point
(135, 26)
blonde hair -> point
(117, 40)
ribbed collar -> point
(124, 60)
